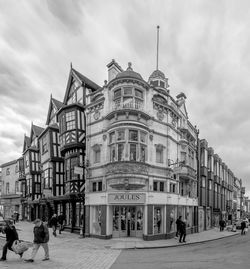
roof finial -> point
(129, 66)
(71, 65)
(157, 52)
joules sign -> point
(126, 198)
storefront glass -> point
(97, 220)
(158, 223)
(127, 221)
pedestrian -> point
(61, 221)
(178, 223)
(53, 223)
(221, 225)
(41, 238)
(182, 232)
(243, 226)
(11, 235)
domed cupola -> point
(129, 73)
(158, 80)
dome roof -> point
(129, 73)
(158, 74)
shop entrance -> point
(127, 221)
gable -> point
(54, 106)
(26, 143)
(77, 83)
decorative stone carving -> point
(96, 115)
(160, 115)
(126, 168)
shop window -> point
(157, 220)
(97, 220)
(116, 218)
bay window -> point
(127, 145)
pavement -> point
(69, 250)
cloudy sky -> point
(204, 51)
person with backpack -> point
(41, 238)
(11, 235)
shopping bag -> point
(246, 230)
(20, 246)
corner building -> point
(140, 159)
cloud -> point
(204, 51)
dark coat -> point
(243, 225)
(61, 219)
(41, 234)
(53, 221)
(183, 227)
(178, 223)
(11, 233)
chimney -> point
(113, 69)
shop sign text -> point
(126, 198)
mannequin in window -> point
(158, 220)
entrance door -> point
(127, 221)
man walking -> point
(243, 226)
(41, 238)
(53, 223)
(178, 224)
(183, 232)
(61, 222)
(11, 236)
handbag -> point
(20, 246)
